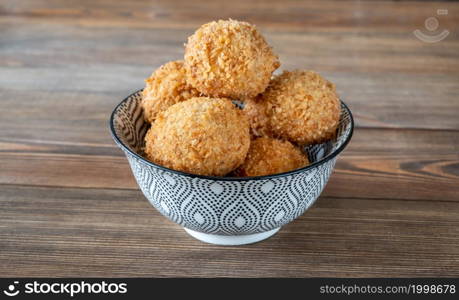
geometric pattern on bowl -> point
(228, 206)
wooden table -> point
(69, 205)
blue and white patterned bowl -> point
(226, 210)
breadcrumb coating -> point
(228, 58)
(271, 156)
(204, 136)
(165, 87)
(300, 106)
(258, 115)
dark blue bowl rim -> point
(221, 178)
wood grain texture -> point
(69, 205)
(415, 164)
(103, 232)
(389, 78)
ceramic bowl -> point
(226, 210)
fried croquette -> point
(258, 115)
(268, 156)
(165, 87)
(229, 59)
(204, 136)
(300, 106)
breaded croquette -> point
(268, 156)
(165, 87)
(300, 106)
(202, 136)
(229, 59)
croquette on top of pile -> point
(196, 128)
(229, 59)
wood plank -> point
(379, 163)
(83, 114)
(398, 164)
(81, 58)
(102, 232)
(286, 15)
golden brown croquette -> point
(268, 156)
(202, 136)
(165, 87)
(300, 106)
(258, 115)
(229, 59)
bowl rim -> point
(125, 148)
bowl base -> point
(231, 240)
